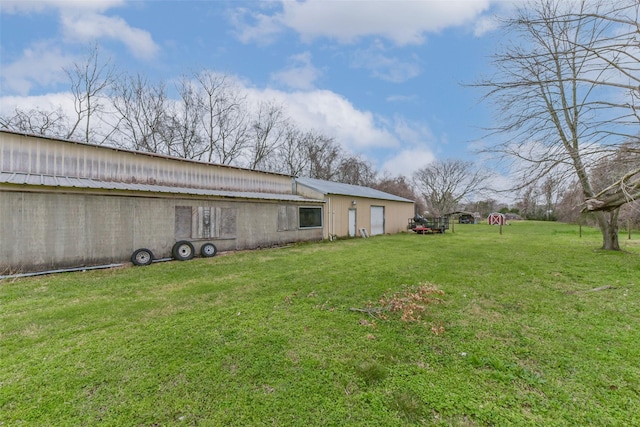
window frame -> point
(320, 217)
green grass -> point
(268, 338)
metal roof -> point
(338, 188)
(86, 183)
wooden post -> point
(629, 228)
(580, 226)
(501, 228)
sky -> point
(387, 79)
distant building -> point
(349, 209)
(496, 218)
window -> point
(310, 217)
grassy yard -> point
(536, 326)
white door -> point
(377, 220)
(352, 222)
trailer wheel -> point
(182, 250)
(142, 257)
(208, 250)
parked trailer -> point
(422, 225)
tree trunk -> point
(608, 223)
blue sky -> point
(383, 77)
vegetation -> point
(533, 326)
(445, 184)
(209, 118)
(568, 79)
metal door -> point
(352, 223)
(377, 220)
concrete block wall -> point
(50, 230)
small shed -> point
(496, 218)
(466, 218)
(463, 217)
(352, 210)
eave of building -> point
(34, 182)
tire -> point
(182, 250)
(208, 250)
(142, 257)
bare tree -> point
(556, 89)
(184, 136)
(268, 130)
(37, 122)
(400, 186)
(444, 184)
(356, 171)
(550, 190)
(291, 156)
(569, 203)
(324, 157)
(212, 87)
(616, 179)
(90, 81)
(225, 118)
(233, 128)
(141, 108)
(527, 202)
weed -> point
(411, 303)
(371, 371)
(408, 404)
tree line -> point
(203, 116)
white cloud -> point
(417, 141)
(336, 116)
(384, 66)
(82, 21)
(41, 64)
(300, 75)
(401, 21)
(255, 27)
(22, 6)
(92, 26)
(356, 131)
(412, 132)
(485, 25)
(48, 102)
(406, 162)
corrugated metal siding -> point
(396, 217)
(50, 157)
(396, 214)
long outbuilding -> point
(65, 204)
